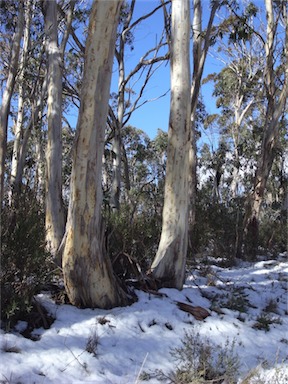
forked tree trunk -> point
(54, 218)
(169, 264)
(88, 273)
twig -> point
(141, 368)
(83, 365)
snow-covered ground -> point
(247, 304)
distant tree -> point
(201, 43)
(276, 87)
(127, 100)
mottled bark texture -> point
(55, 217)
(88, 273)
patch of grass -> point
(10, 380)
(259, 375)
(264, 321)
(272, 306)
(92, 343)
(236, 300)
(200, 361)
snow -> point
(130, 341)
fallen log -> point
(198, 312)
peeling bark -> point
(55, 217)
(88, 274)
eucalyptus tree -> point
(8, 90)
(239, 92)
(127, 99)
(275, 80)
(201, 42)
(146, 160)
(168, 266)
(18, 129)
(28, 98)
(55, 215)
(88, 274)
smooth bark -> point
(8, 92)
(200, 50)
(168, 266)
(18, 130)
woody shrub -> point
(25, 264)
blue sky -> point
(154, 115)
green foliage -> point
(273, 230)
(134, 231)
(136, 235)
(216, 226)
(265, 320)
(236, 300)
(25, 262)
(237, 25)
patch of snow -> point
(139, 338)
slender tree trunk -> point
(55, 218)
(236, 160)
(118, 124)
(200, 49)
(170, 261)
(40, 170)
(18, 131)
(238, 118)
(88, 274)
(8, 91)
(275, 108)
(116, 169)
(34, 121)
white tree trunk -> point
(18, 130)
(7, 94)
(88, 274)
(169, 264)
(200, 49)
(54, 218)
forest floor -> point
(243, 340)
